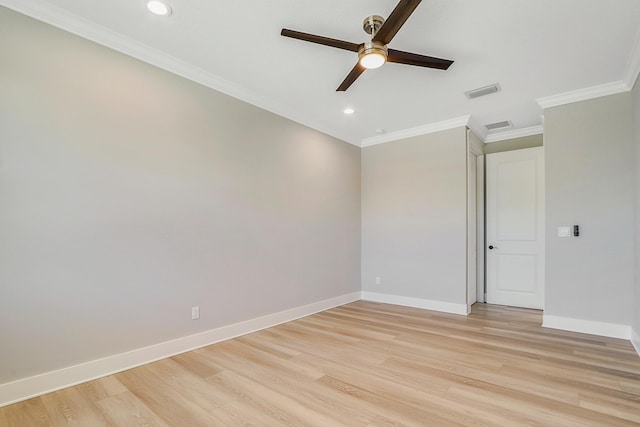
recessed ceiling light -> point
(159, 7)
(348, 111)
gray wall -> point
(589, 159)
(130, 195)
(414, 217)
(636, 129)
(514, 144)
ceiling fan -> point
(375, 53)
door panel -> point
(515, 228)
(516, 273)
(516, 189)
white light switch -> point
(564, 231)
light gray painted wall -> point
(414, 217)
(129, 195)
(589, 159)
(636, 129)
(514, 144)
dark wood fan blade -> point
(353, 75)
(340, 44)
(396, 20)
(401, 57)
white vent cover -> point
(482, 91)
(499, 125)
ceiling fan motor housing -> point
(375, 48)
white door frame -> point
(475, 220)
(481, 227)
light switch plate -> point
(564, 231)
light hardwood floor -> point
(368, 364)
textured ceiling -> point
(535, 50)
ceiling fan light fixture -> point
(372, 55)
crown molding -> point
(416, 131)
(633, 66)
(92, 31)
(583, 94)
(479, 130)
(97, 33)
(512, 134)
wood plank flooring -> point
(368, 364)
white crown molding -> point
(479, 130)
(612, 330)
(416, 131)
(583, 94)
(90, 30)
(633, 66)
(446, 307)
(512, 134)
(37, 385)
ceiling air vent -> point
(482, 91)
(499, 125)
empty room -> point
(364, 213)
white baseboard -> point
(612, 330)
(447, 307)
(635, 340)
(47, 382)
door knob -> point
(493, 247)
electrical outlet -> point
(195, 313)
(378, 280)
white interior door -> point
(515, 228)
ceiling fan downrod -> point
(372, 24)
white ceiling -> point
(551, 51)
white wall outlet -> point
(195, 313)
(378, 280)
(564, 231)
